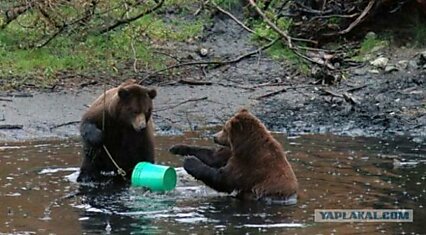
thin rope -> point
(120, 170)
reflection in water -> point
(39, 193)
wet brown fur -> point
(250, 161)
(258, 164)
(127, 144)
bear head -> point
(238, 129)
(134, 105)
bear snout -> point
(139, 123)
(220, 138)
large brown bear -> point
(252, 162)
(120, 121)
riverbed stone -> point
(374, 71)
(380, 62)
(412, 64)
(390, 68)
(360, 71)
(403, 64)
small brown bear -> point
(252, 162)
(120, 121)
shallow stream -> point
(38, 192)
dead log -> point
(11, 127)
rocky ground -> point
(385, 99)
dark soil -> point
(386, 105)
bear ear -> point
(152, 93)
(129, 82)
(243, 110)
(123, 93)
(236, 124)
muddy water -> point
(38, 192)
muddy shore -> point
(383, 105)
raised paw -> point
(179, 149)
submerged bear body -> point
(251, 163)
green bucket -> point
(155, 177)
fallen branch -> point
(53, 36)
(350, 99)
(16, 95)
(241, 57)
(11, 127)
(357, 21)
(232, 17)
(194, 82)
(267, 84)
(181, 103)
(334, 16)
(319, 62)
(64, 124)
(356, 88)
(7, 100)
(267, 95)
(288, 38)
(331, 93)
(236, 86)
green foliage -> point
(419, 32)
(88, 52)
(334, 20)
(173, 30)
(370, 44)
(278, 51)
(262, 30)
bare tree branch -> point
(120, 22)
(13, 13)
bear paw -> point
(192, 165)
(91, 134)
(179, 149)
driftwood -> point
(331, 93)
(64, 124)
(350, 99)
(345, 96)
(271, 94)
(7, 100)
(194, 82)
(356, 88)
(17, 95)
(11, 127)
